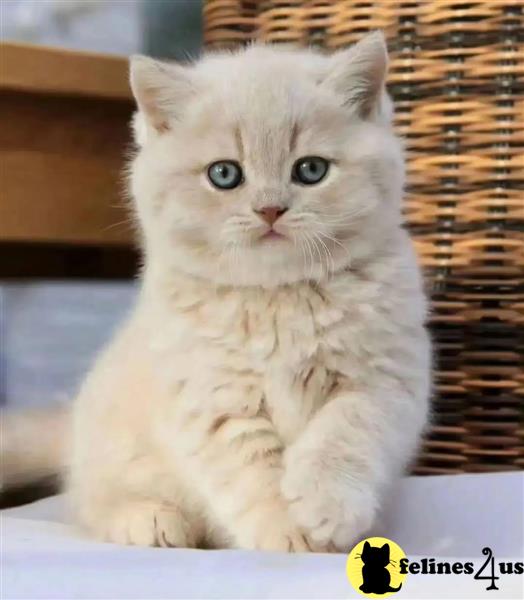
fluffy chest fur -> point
(283, 351)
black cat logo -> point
(376, 578)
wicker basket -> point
(457, 76)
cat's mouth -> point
(272, 235)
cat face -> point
(372, 555)
(267, 166)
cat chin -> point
(254, 271)
(266, 263)
(261, 275)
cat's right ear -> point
(367, 545)
(161, 89)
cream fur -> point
(262, 394)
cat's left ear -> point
(161, 91)
(358, 75)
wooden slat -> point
(55, 71)
(63, 136)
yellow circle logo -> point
(373, 567)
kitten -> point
(273, 379)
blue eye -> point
(225, 174)
(309, 170)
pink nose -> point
(270, 213)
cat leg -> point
(134, 502)
(122, 486)
(345, 460)
(239, 464)
(146, 523)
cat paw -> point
(270, 528)
(283, 541)
(331, 510)
(147, 524)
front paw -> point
(270, 527)
(329, 504)
(143, 523)
(283, 540)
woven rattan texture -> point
(457, 75)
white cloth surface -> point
(446, 517)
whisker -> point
(314, 250)
(329, 257)
(303, 253)
(119, 223)
(315, 242)
(318, 207)
(337, 242)
(344, 217)
(310, 254)
(317, 250)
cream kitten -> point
(273, 379)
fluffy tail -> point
(32, 445)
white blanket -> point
(449, 518)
